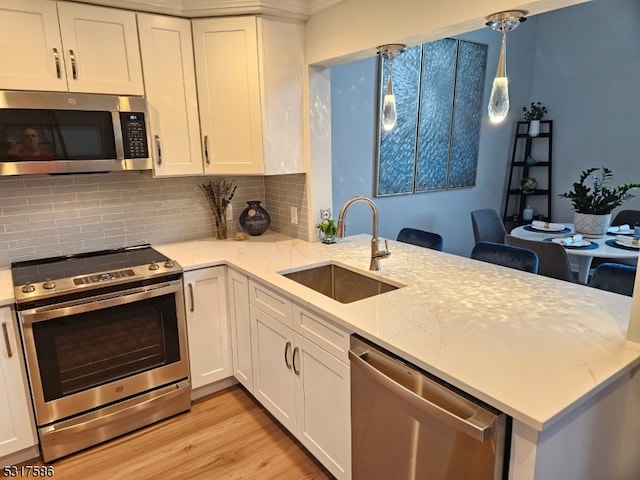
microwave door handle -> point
(158, 150)
(74, 68)
(206, 149)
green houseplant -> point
(327, 228)
(533, 115)
(591, 197)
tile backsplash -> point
(42, 216)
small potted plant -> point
(327, 227)
(593, 203)
(533, 115)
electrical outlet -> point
(229, 212)
(294, 215)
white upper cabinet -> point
(62, 46)
(249, 73)
(170, 86)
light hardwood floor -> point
(226, 435)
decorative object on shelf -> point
(530, 161)
(499, 101)
(327, 227)
(527, 213)
(593, 204)
(219, 192)
(389, 111)
(533, 115)
(528, 185)
(254, 219)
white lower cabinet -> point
(301, 384)
(207, 325)
(17, 431)
(240, 324)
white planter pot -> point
(594, 226)
(534, 128)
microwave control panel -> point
(134, 135)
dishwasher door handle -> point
(479, 429)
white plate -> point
(581, 243)
(628, 245)
(542, 229)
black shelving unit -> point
(539, 148)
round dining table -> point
(605, 247)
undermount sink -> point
(340, 283)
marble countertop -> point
(531, 346)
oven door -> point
(88, 353)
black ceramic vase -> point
(254, 219)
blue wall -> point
(576, 61)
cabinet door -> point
(207, 326)
(101, 49)
(170, 85)
(31, 46)
(16, 424)
(323, 406)
(240, 323)
(273, 378)
(226, 52)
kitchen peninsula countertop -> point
(531, 346)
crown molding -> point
(296, 9)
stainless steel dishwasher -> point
(408, 425)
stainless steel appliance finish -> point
(104, 335)
(407, 425)
(75, 133)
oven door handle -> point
(99, 302)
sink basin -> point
(340, 283)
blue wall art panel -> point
(436, 106)
(396, 149)
(467, 114)
(439, 88)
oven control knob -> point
(169, 264)
(28, 288)
(154, 266)
(48, 284)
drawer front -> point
(270, 302)
(322, 332)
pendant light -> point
(499, 100)
(389, 111)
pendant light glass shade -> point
(499, 100)
(389, 110)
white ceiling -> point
(300, 9)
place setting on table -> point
(619, 242)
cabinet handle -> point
(56, 58)
(296, 370)
(193, 303)
(286, 358)
(158, 150)
(206, 149)
(6, 339)
(74, 69)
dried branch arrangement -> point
(219, 192)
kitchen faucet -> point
(376, 254)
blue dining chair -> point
(506, 255)
(614, 277)
(554, 261)
(421, 238)
(487, 226)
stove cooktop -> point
(49, 277)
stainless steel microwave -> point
(54, 133)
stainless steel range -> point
(105, 341)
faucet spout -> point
(376, 254)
